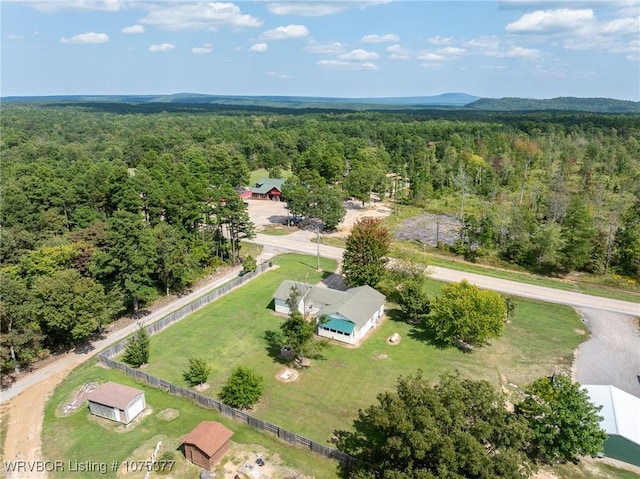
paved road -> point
(299, 242)
(75, 358)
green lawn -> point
(231, 332)
(82, 437)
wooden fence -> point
(105, 358)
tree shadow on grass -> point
(274, 347)
(418, 331)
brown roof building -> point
(207, 443)
(116, 402)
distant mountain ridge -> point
(454, 101)
(566, 103)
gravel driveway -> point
(612, 353)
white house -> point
(116, 402)
(348, 315)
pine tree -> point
(137, 351)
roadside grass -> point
(589, 470)
(4, 420)
(408, 250)
(250, 249)
(82, 437)
(278, 230)
(231, 332)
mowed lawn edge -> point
(81, 438)
(540, 340)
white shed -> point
(117, 402)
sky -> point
(347, 48)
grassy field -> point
(326, 397)
(540, 339)
(82, 437)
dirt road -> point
(25, 399)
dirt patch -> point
(580, 331)
(243, 462)
(168, 414)
(287, 375)
(430, 229)
(76, 399)
(202, 387)
(381, 356)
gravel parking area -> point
(612, 353)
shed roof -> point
(265, 185)
(208, 436)
(114, 395)
(620, 411)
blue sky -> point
(358, 48)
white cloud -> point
(551, 21)
(398, 53)
(438, 40)
(307, 9)
(52, 6)
(621, 26)
(359, 55)
(203, 50)
(485, 43)
(199, 16)
(281, 76)
(319, 8)
(520, 52)
(430, 56)
(335, 47)
(451, 51)
(285, 33)
(386, 38)
(348, 65)
(89, 37)
(259, 47)
(161, 47)
(12, 37)
(133, 29)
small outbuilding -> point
(207, 444)
(117, 402)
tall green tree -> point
(464, 312)
(175, 266)
(564, 421)
(20, 334)
(627, 242)
(136, 353)
(457, 428)
(365, 255)
(130, 258)
(242, 389)
(577, 234)
(69, 307)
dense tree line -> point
(124, 202)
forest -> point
(106, 206)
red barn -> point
(207, 443)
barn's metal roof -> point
(620, 411)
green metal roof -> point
(265, 185)
(340, 325)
